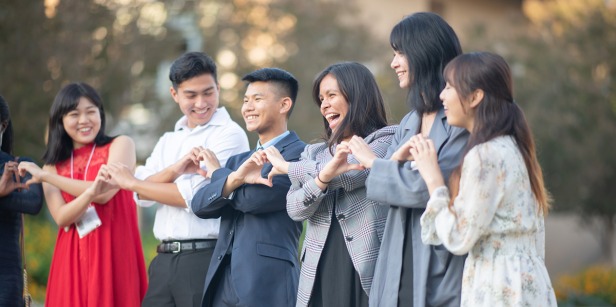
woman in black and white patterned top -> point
(344, 229)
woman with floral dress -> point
(496, 201)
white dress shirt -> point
(221, 135)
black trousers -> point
(177, 279)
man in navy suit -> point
(255, 258)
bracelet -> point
(323, 182)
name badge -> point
(88, 222)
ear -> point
(3, 125)
(174, 94)
(285, 105)
(476, 98)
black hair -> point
(190, 65)
(428, 43)
(366, 112)
(283, 80)
(60, 144)
(7, 135)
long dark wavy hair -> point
(366, 108)
(496, 115)
(428, 43)
(7, 135)
(60, 144)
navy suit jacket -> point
(256, 229)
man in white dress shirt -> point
(171, 176)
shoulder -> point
(122, 142)
(493, 151)
(384, 134)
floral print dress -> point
(497, 221)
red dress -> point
(106, 267)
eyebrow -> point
(194, 91)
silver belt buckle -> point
(179, 247)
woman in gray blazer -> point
(408, 272)
(344, 228)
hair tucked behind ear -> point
(497, 115)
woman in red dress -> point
(99, 263)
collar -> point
(221, 117)
(273, 141)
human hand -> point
(34, 170)
(250, 171)
(10, 180)
(403, 152)
(210, 160)
(279, 165)
(424, 153)
(189, 163)
(102, 182)
(339, 163)
(361, 151)
(119, 175)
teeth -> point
(329, 116)
(84, 129)
(251, 117)
(201, 112)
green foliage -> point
(595, 286)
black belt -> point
(184, 245)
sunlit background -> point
(562, 53)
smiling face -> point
(197, 98)
(455, 111)
(264, 110)
(334, 107)
(83, 123)
(400, 65)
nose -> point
(201, 101)
(394, 62)
(247, 105)
(324, 105)
(83, 117)
(441, 96)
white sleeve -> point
(153, 164)
(228, 141)
(481, 192)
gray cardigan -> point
(437, 274)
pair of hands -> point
(251, 168)
(11, 179)
(191, 163)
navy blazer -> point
(256, 229)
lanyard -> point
(85, 174)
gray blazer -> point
(362, 221)
(437, 274)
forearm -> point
(231, 184)
(25, 201)
(303, 200)
(164, 176)
(67, 214)
(164, 193)
(76, 187)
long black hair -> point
(7, 135)
(428, 43)
(496, 115)
(366, 108)
(60, 144)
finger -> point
(264, 181)
(203, 173)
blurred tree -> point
(566, 85)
